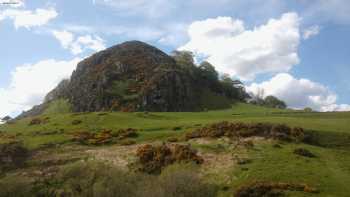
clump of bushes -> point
(178, 180)
(303, 152)
(271, 189)
(154, 158)
(273, 131)
(12, 155)
(103, 137)
(38, 121)
(98, 179)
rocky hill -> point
(134, 76)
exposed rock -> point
(132, 76)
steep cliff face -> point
(132, 76)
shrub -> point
(270, 189)
(102, 137)
(277, 131)
(179, 180)
(12, 155)
(35, 121)
(88, 138)
(96, 179)
(154, 158)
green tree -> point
(183, 58)
(233, 89)
(208, 71)
(272, 101)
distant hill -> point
(134, 76)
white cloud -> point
(12, 3)
(31, 82)
(79, 44)
(28, 18)
(245, 53)
(299, 93)
(311, 31)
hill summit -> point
(134, 76)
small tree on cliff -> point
(233, 89)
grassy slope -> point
(330, 171)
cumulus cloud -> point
(29, 18)
(233, 49)
(30, 83)
(79, 44)
(299, 93)
(311, 31)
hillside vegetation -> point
(114, 140)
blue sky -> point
(297, 50)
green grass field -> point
(329, 171)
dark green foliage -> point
(274, 102)
(208, 71)
(233, 89)
(269, 101)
